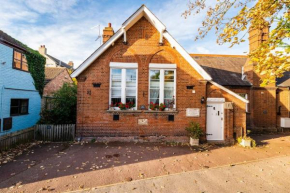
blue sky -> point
(65, 27)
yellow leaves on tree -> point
(272, 58)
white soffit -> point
(123, 65)
(165, 66)
(142, 11)
(229, 91)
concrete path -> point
(269, 175)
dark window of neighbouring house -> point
(18, 107)
(19, 61)
(7, 123)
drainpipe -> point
(1, 102)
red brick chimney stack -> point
(257, 36)
(108, 32)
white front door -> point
(215, 119)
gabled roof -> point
(142, 11)
(6, 39)
(52, 72)
(284, 81)
(225, 70)
(59, 62)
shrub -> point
(64, 106)
(194, 130)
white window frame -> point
(162, 68)
(246, 97)
(123, 67)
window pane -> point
(17, 55)
(116, 77)
(14, 102)
(154, 85)
(115, 101)
(24, 66)
(131, 77)
(17, 64)
(116, 93)
(14, 110)
(168, 86)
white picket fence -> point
(65, 132)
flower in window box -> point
(131, 105)
(162, 107)
(122, 106)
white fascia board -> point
(186, 56)
(123, 65)
(163, 66)
(96, 54)
(229, 91)
(154, 20)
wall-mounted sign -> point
(142, 121)
(192, 112)
(229, 105)
(143, 107)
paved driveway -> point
(67, 167)
(270, 175)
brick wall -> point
(56, 83)
(92, 116)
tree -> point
(63, 106)
(272, 58)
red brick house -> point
(55, 77)
(143, 63)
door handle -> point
(218, 113)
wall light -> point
(202, 100)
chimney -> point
(42, 50)
(70, 63)
(258, 36)
(108, 32)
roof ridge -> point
(220, 55)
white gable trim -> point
(142, 11)
(229, 91)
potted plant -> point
(162, 107)
(153, 106)
(195, 132)
(122, 106)
(131, 105)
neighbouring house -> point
(267, 105)
(20, 102)
(52, 61)
(55, 77)
(142, 63)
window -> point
(123, 85)
(162, 86)
(19, 61)
(245, 96)
(18, 107)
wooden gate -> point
(55, 132)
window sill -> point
(20, 69)
(141, 111)
(19, 115)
